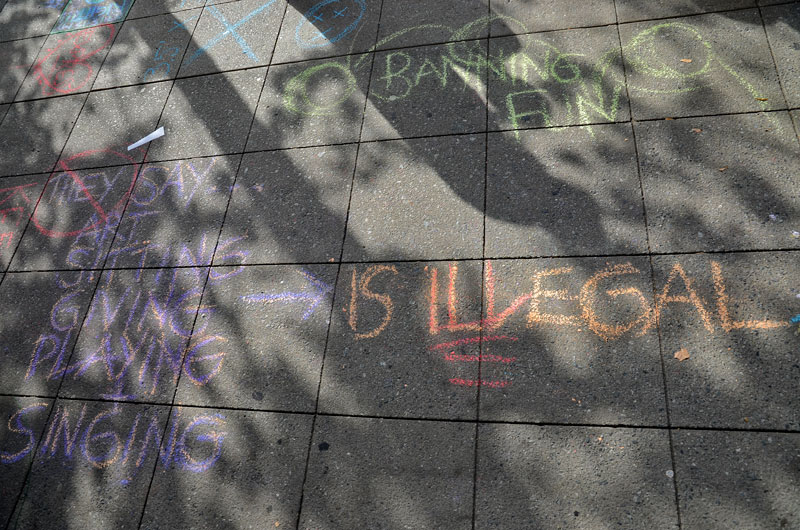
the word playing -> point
(135, 333)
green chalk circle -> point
(646, 56)
(296, 98)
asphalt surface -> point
(399, 264)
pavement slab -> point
(76, 218)
(720, 183)
(737, 479)
(518, 17)
(399, 264)
(16, 59)
(311, 103)
(730, 313)
(532, 476)
(556, 78)
(18, 198)
(148, 49)
(365, 472)
(241, 467)
(208, 116)
(260, 338)
(68, 63)
(394, 350)
(111, 120)
(569, 191)
(692, 66)
(783, 31)
(93, 465)
(33, 133)
(302, 197)
(314, 29)
(410, 23)
(631, 10)
(175, 213)
(20, 19)
(22, 420)
(571, 341)
(38, 339)
(429, 90)
(233, 35)
(434, 189)
(149, 8)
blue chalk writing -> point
(320, 288)
(309, 36)
(230, 30)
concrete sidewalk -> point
(399, 264)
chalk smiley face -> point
(328, 22)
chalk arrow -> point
(319, 290)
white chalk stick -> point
(158, 133)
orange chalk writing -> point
(588, 297)
(665, 298)
(362, 288)
(723, 302)
(535, 315)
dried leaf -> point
(682, 354)
(669, 118)
(762, 99)
(723, 168)
(686, 60)
(696, 130)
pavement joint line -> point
(653, 427)
(338, 275)
(476, 434)
(636, 21)
(422, 137)
(433, 260)
(418, 260)
(670, 428)
(777, 70)
(213, 254)
(51, 410)
(99, 276)
(673, 461)
(127, 18)
(710, 12)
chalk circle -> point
(330, 76)
(320, 39)
(63, 167)
(658, 52)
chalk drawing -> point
(575, 89)
(80, 14)
(192, 444)
(230, 31)
(586, 299)
(65, 67)
(320, 291)
(328, 22)
(83, 192)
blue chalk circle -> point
(328, 22)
